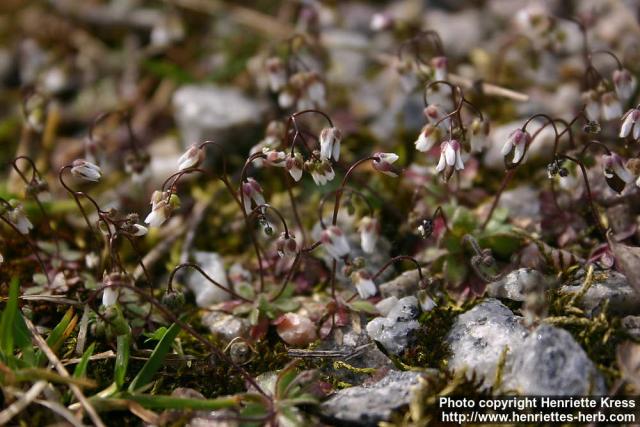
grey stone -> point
(515, 285)
(611, 287)
(631, 325)
(395, 330)
(206, 292)
(480, 336)
(551, 362)
(403, 285)
(207, 111)
(545, 361)
(226, 326)
(367, 405)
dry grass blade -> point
(42, 344)
(18, 406)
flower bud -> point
(286, 245)
(384, 163)
(83, 169)
(192, 158)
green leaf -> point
(155, 335)
(455, 270)
(122, 359)
(81, 368)
(286, 305)
(8, 318)
(364, 306)
(285, 377)
(157, 358)
(170, 402)
(59, 334)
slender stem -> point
(35, 173)
(339, 191)
(594, 211)
(294, 207)
(352, 191)
(397, 259)
(206, 276)
(260, 210)
(31, 245)
(75, 196)
(505, 181)
(186, 327)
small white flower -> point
(330, 143)
(275, 158)
(160, 211)
(88, 171)
(450, 156)
(479, 130)
(384, 163)
(592, 105)
(428, 137)
(109, 296)
(191, 158)
(518, 140)
(614, 167)
(286, 98)
(434, 113)
(251, 191)
(611, 107)
(364, 284)
(276, 73)
(316, 91)
(321, 172)
(380, 22)
(138, 230)
(335, 242)
(631, 121)
(369, 232)
(294, 165)
(286, 245)
(19, 219)
(624, 83)
(439, 64)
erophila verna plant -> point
(344, 196)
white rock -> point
(395, 330)
(206, 292)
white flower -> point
(614, 167)
(439, 64)
(625, 83)
(434, 113)
(518, 140)
(384, 163)
(251, 191)
(611, 107)
(109, 296)
(479, 130)
(450, 156)
(19, 220)
(321, 172)
(276, 73)
(592, 106)
(274, 158)
(364, 285)
(369, 232)
(138, 230)
(83, 169)
(380, 21)
(286, 98)
(191, 158)
(335, 242)
(429, 135)
(330, 143)
(316, 91)
(286, 245)
(294, 165)
(160, 211)
(631, 120)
